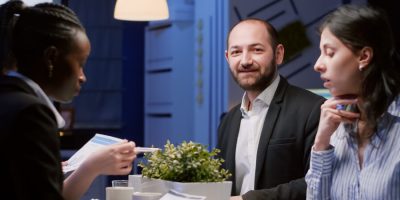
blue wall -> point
(111, 102)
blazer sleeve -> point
(295, 189)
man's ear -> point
(279, 54)
(365, 56)
(50, 55)
(226, 56)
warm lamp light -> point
(141, 10)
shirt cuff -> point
(321, 161)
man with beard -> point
(266, 140)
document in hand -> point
(96, 142)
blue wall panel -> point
(112, 98)
(210, 70)
(168, 103)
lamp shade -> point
(141, 10)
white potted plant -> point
(187, 168)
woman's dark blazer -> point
(29, 145)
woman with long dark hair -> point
(356, 149)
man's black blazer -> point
(29, 145)
(285, 143)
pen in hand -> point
(145, 149)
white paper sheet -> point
(174, 195)
(96, 142)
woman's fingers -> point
(330, 109)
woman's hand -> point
(330, 119)
(64, 163)
(112, 160)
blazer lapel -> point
(231, 154)
(269, 125)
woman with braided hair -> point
(46, 47)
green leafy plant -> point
(187, 162)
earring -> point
(51, 70)
(360, 68)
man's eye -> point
(235, 52)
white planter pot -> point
(212, 190)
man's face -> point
(251, 58)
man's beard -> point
(262, 82)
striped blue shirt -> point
(336, 173)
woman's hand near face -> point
(330, 119)
(112, 160)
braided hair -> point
(34, 29)
(7, 21)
